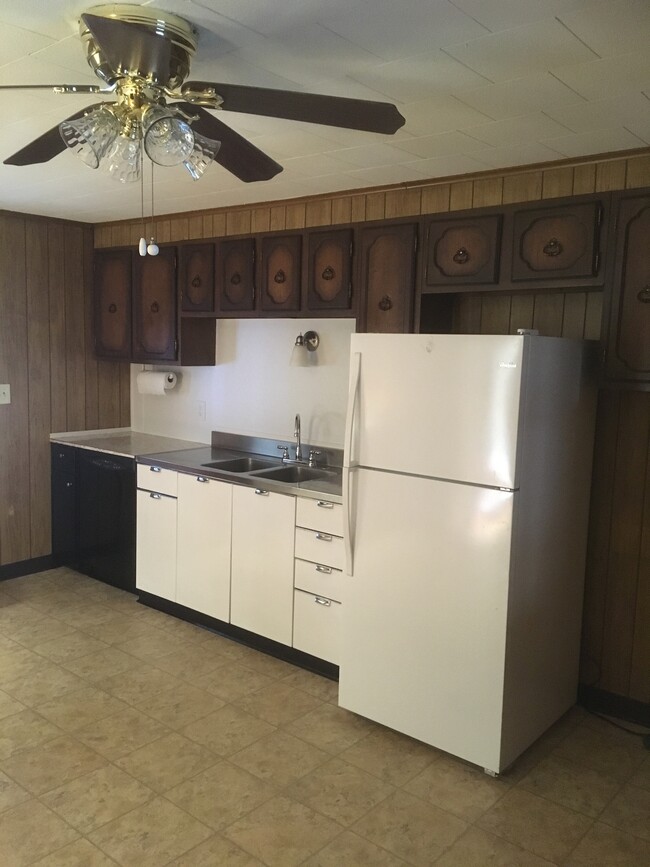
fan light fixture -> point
(114, 137)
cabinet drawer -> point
(316, 626)
(320, 547)
(158, 479)
(320, 515)
(319, 579)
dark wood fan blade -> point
(46, 146)
(130, 47)
(236, 154)
(381, 117)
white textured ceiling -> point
(483, 84)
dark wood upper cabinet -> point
(627, 358)
(112, 302)
(280, 273)
(196, 278)
(154, 307)
(329, 277)
(235, 277)
(387, 277)
(557, 243)
(462, 252)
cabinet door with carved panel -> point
(558, 244)
(387, 277)
(462, 252)
(196, 278)
(329, 284)
(112, 296)
(154, 307)
(235, 277)
(627, 357)
(280, 274)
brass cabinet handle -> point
(155, 307)
(236, 278)
(644, 295)
(196, 282)
(328, 273)
(112, 308)
(461, 256)
(552, 248)
(280, 276)
(386, 303)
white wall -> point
(254, 389)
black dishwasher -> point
(106, 517)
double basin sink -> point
(293, 474)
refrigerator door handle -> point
(347, 530)
(355, 374)
(353, 393)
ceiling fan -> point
(142, 56)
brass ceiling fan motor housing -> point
(180, 35)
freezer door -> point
(424, 616)
(437, 405)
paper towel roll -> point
(155, 382)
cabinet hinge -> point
(597, 262)
(176, 345)
(415, 243)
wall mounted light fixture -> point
(309, 340)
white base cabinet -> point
(269, 563)
(262, 563)
(319, 581)
(203, 547)
(155, 560)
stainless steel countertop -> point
(123, 442)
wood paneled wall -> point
(481, 190)
(46, 357)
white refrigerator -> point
(466, 491)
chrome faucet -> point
(296, 433)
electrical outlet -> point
(200, 408)
(5, 394)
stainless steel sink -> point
(240, 465)
(293, 475)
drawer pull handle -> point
(261, 493)
(324, 570)
(68, 484)
(156, 496)
(322, 504)
(323, 537)
(320, 601)
(202, 479)
(154, 469)
(461, 256)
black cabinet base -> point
(610, 704)
(243, 636)
(28, 567)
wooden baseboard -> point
(610, 704)
(27, 567)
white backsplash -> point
(254, 389)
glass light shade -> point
(90, 136)
(204, 151)
(124, 159)
(168, 140)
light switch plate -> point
(5, 394)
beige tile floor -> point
(129, 737)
